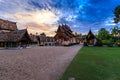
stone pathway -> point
(37, 63)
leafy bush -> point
(108, 42)
(85, 44)
(98, 43)
(105, 42)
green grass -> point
(95, 63)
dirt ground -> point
(36, 63)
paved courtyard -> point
(36, 63)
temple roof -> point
(7, 25)
(90, 35)
(64, 31)
(14, 36)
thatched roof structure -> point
(14, 36)
(7, 25)
(63, 31)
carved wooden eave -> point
(64, 32)
(15, 36)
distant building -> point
(64, 35)
(79, 40)
(10, 36)
(45, 40)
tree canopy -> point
(103, 34)
(117, 14)
(115, 31)
(42, 34)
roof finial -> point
(27, 27)
(90, 27)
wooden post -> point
(5, 45)
(10, 44)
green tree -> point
(117, 14)
(103, 34)
(43, 34)
(115, 31)
(79, 35)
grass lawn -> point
(95, 63)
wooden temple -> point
(10, 36)
(90, 38)
(64, 35)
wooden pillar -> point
(10, 44)
(5, 45)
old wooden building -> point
(64, 35)
(10, 36)
(45, 40)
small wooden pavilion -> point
(90, 38)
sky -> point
(45, 15)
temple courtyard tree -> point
(115, 31)
(103, 34)
(42, 34)
(105, 37)
(117, 14)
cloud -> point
(39, 28)
(41, 15)
(39, 21)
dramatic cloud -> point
(45, 15)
